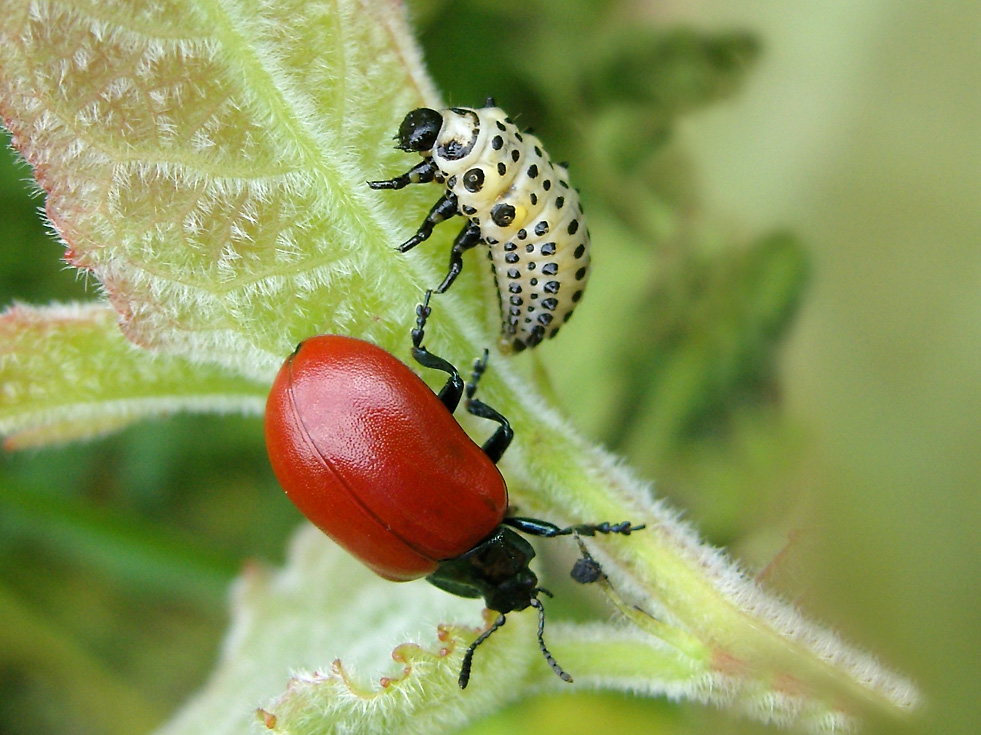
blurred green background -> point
(783, 330)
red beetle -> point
(377, 461)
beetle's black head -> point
(496, 569)
(515, 593)
(419, 129)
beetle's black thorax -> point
(496, 569)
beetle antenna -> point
(560, 672)
(468, 656)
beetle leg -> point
(586, 569)
(494, 447)
(443, 209)
(422, 173)
(469, 237)
(479, 366)
(498, 442)
(591, 529)
(536, 527)
(452, 391)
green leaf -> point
(207, 163)
(68, 373)
(358, 673)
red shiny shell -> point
(370, 455)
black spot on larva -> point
(517, 137)
(564, 184)
(451, 182)
(532, 171)
(490, 241)
(515, 311)
(500, 125)
(580, 274)
(533, 281)
(548, 248)
(559, 202)
(538, 151)
(468, 210)
(573, 227)
(576, 296)
(550, 303)
(541, 228)
(509, 246)
(501, 169)
(497, 142)
(581, 250)
(511, 258)
(547, 184)
(532, 265)
(534, 297)
(554, 332)
(550, 269)
(536, 336)
(502, 214)
(534, 199)
(530, 247)
(517, 300)
(522, 234)
(514, 274)
(514, 287)
(545, 318)
(515, 154)
(473, 180)
(552, 287)
(567, 317)
(509, 121)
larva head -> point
(419, 130)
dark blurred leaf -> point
(141, 555)
(709, 333)
(670, 71)
(77, 682)
(29, 267)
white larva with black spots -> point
(516, 202)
